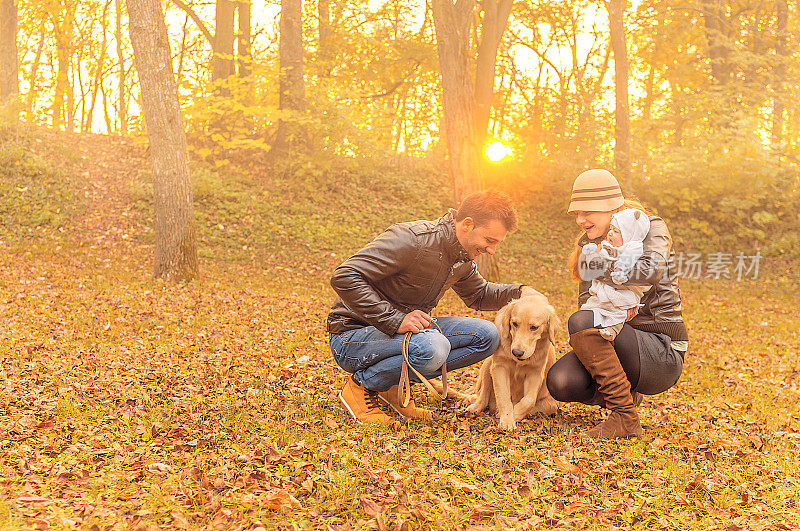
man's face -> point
(479, 239)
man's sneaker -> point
(410, 411)
(362, 403)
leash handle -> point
(404, 387)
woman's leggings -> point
(569, 381)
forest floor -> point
(130, 403)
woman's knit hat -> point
(595, 190)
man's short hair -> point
(485, 206)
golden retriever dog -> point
(511, 381)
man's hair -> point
(483, 207)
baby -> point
(623, 246)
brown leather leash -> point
(404, 387)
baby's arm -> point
(619, 276)
(591, 264)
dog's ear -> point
(553, 327)
(503, 323)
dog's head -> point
(525, 325)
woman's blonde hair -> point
(572, 260)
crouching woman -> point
(647, 356)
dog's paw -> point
(546, 407)
(475, 408)
(466, 400)
(523, 409)
(507, 423)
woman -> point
(647, 355)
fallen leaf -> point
(159, 469)
(461, 485)
(482, 511)
(370, 507)
(178, 520)
(277, 499)
(566, 466)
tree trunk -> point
(182, 51)
(452, 23)
(677, 113)
(325, 36)
(69, 106)
(718, 51)
(647, 126)
(9, 66)
(77, 76)
(176, 243)
(244, 39)
(222, 65)
(622, 120)
(106, 116)
(122, 102)
(493, 25)
(30, 102)
(98, 77)
(780, 74)
(292, 93)
(62, 32)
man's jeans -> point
(376, 359)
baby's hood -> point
(632, 223)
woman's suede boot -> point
(598, 356)
(597, 399)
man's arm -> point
(479, 294)
(388, 254)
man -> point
(389, 288)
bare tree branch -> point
(196, 18)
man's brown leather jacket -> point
(409, 267)
(661, 305)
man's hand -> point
(528, 291)
(415, 321)
(632, 313)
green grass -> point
(241, 216)
(33, 195)
(126, 402)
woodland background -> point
(702, 126)
(133, 402)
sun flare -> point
(497, 151)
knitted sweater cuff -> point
(676, 330)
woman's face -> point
(595, 223)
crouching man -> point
(389, 288)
